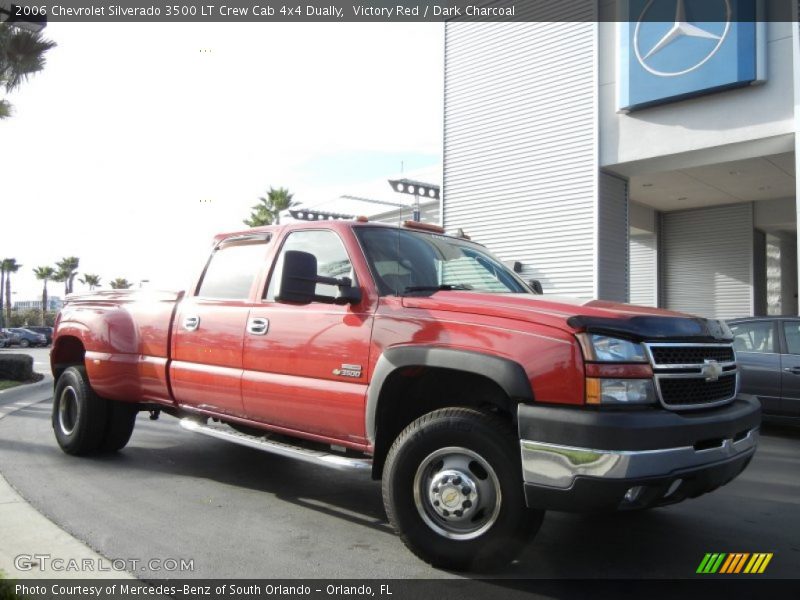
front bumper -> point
(575, 459)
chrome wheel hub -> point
(453, 494)
(457, 493)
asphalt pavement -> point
(233, 512)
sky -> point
(139, 142)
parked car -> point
(12, 339)
(768, 351)
(27, 338)
(4, 340)
(47, 332)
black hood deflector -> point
(651, 328)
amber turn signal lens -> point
(592, 390)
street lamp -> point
(32, 23)
(416, 189)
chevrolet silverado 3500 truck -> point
(423, 359)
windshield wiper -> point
(437, 288)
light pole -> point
(416, 189)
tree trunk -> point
(44, 302)
(2, 293)
(8, 297)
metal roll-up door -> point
(520, 144)
(708, 261)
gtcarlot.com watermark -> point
(56, 564)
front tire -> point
(24, 343)
(452, 488)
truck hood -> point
(639, 323)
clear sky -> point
(139, 142)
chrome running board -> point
(316, 457)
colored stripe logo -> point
(734, 563)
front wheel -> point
(452, 488)
(24, 343)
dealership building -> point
(650, 160)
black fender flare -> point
(506, 373)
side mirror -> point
(536, 286)
(298, 278)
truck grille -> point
(693, 376)
(695, 391)
(691, 355)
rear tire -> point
(121, 420)
(23, 343)
(79, 415)
(452, 488)
(85, 423)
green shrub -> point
(16, 367)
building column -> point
(796, 72)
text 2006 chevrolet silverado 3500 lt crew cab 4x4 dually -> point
(423, 358)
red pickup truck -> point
(424, 359)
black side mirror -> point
(298, 278)
(299, 281)
(536, 286)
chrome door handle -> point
(191, 323)
(792, 370)
(258, 326)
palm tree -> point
(268, 210)
(120, 283)
(21, 55)
(10, 266)
(92, 281)
(44, 274)
(67, 270)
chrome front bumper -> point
(557, 466)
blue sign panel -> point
(675, 49)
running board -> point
(316, 457)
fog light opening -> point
(632, 495)
(673, 487)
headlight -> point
(602, 348)
(620, 391)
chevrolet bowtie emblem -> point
(711, 370)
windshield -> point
(404, 261)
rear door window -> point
(232, 269)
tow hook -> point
(154, 414)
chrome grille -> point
(693, 376)
(689, 355)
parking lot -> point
(237, 512)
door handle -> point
(258, 326)
(792, 370)
(191, 323)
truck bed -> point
(131, 331)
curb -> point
(26, 532)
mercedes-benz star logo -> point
(681, 28)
